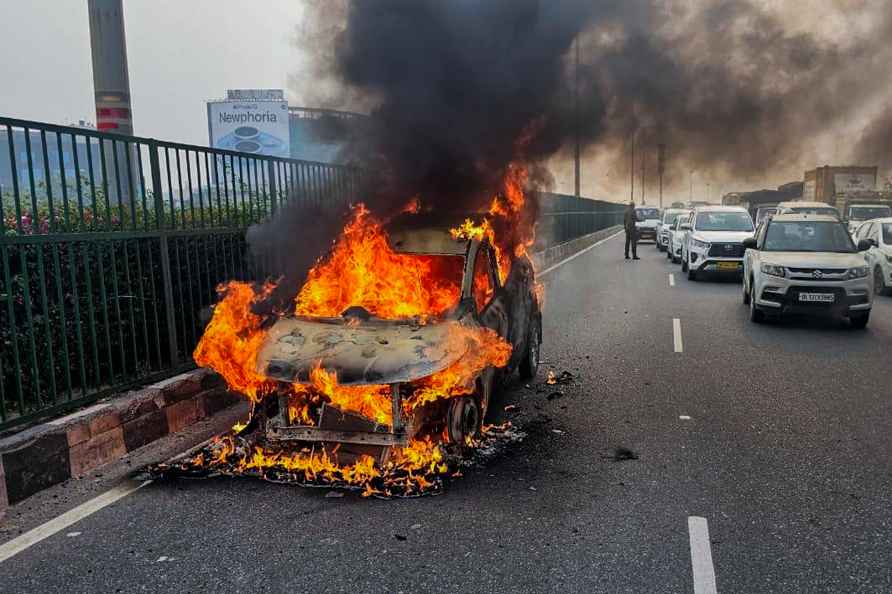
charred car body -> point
(393, 360)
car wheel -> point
(529, 365)
(879, 283)
(684, 263)
(463, 419)
(692, 274)
(859, 320)
(746, 295)
(756, 315)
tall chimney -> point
(111, 82)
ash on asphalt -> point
(493, 442)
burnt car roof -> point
(428, 233)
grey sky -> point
(181, 53)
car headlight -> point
(700, 245)
(858, 272)
(773, 270)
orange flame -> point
(363, 270)
(232, 339)
(485, 348)
(372, 402)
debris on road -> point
(565, 377)
(621, 454)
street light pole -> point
(691, 178)
(661, 167)
(632, 169)
(576, 112)
(643, 167)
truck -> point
(852, 190)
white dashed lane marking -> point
(671, 280)
(701, 556)
(676, 335)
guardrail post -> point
(166, 278)
(271, 176)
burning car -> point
(369, 378)
(387, 358)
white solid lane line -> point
(676, 335)
(576, 255)
(671, 280)
(701, 556)
(32, 537)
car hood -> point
(722, 236)
(813, 260)
(372, 352)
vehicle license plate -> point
(728, 266)
(817, 297)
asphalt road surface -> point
(763, 462)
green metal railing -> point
(111, 246)
(564, 218)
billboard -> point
(854, 182)
(250, 121)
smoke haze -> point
(748, 93)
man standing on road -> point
(631, 231)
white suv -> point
(715, 241)
(807, 264)
(646, 222)
(665, 225)
(677, 235)
(879, 257)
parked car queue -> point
(794, 263)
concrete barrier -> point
(69, 447)
(556, 253)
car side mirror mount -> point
(749, 243)
(865, 244)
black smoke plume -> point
(746, 92)
(459, 91)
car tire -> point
(684, 263)
(859, 320)
(756, 315)
(692, 274)
(463, 420)
(879, 283)
(746, 295)
(529, 365)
